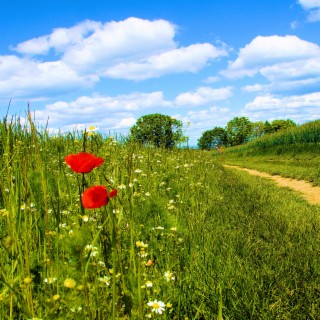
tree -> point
(239, 130)
(258, 129)
(277, 125)
(158, 130)
(215, 138)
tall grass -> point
(182, 231)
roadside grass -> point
(293, 153)
(208, 242)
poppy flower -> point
(83, 162)
(96, 197)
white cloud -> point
(134, 49)
(104, 111)
(255, 88)
(126, 40)
(309, 4)
(203, 96)
(288, 63)
(28, 78)
(188, 59)
(264, 51)
(271, 102)
(60, 39)
(313, 8)
(299, 108)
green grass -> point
(237, 246)
(293, 153)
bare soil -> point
(306, 189)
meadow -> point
(184, 238)
(293, 153)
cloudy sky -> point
(108, 62)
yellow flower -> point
(27, 280)
(56, 297)
(69, 283)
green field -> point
(184, 236)
(293, 153)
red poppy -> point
(96, 197)
(83, 162)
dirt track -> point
(307, 190)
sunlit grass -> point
(183, 238)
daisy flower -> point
(157, 306)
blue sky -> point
(106, 63)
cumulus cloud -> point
(285, 61)
(84, 54)
(299, 108)
(313, 8)
(22, 77)
(271, 102)
(106, 112)
(187, 59)
(203, 96)
(60, 39)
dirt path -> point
(307, 190)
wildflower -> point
(149, 284)
(157, 306)
(169, 305)
(122, 186)
(169, 276)
(27, 280)
(69, 283)
(85, 218)
(141, 244)
(50, 280)
(101, 263)
(92, 249)
(149, 263)
(93, 128)
(56, 297)
(173, 229)
(147, 194)
(96, 197)
(83, 162)
(142, 254)
(138, 171)
(105, 280)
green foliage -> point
(239, 130)
(158, 130)
(258, 129)
(277, 125)
(214, 138)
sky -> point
(105, 63)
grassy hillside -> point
(183, 239)
(291, 153)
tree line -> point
(164, 131)
(240, 130)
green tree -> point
(215, 138)
(158, 130)
(258, 129)
(239, 130)
(277, 125)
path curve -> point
(306, 189)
